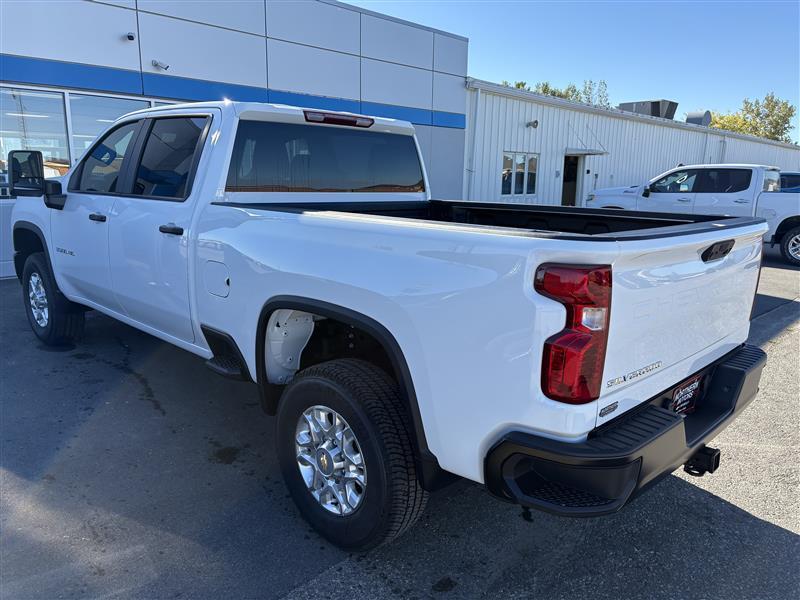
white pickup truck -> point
(745, 190)
(565, 358)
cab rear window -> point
(289, 157)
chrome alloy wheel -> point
(794, 247)
(38, 299)
(330, 460)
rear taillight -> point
(572, 364)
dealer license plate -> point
(685, 396)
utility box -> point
(654, 108)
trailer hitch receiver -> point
(705, 460)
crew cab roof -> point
(728, 166)
(262, 111)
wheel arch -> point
(28, 239)
(787, 224)
(431, 474)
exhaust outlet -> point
(705, 460)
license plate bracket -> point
(685, 395)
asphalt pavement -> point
(128, 470)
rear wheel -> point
(346, 453)
(790, 246)
(54, 319)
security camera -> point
(131, 36)
(160, 65)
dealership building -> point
(68, 68)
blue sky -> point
(704, 55)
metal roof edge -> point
(373, 13)
(505, 90)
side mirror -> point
(646, 190)
(26, 173)
(53, 196)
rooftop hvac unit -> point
(699, 117)
(654, 108)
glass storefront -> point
(91, 115)
(36, 119)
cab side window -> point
(168, 158)
(100, 170)
(724, 181)
(677, 182)
(790, 182)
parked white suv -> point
(751, 190)
(565, 358)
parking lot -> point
(130, 470)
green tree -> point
(520, 85)
(769, 118)
(592, 93)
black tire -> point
(65, 319)
(792, 234)
(370, 402)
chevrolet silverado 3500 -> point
(565, 358)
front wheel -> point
(790, 246)
(346, 453)
(54, 319)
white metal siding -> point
(297, 68)
(81, 32)
(241, 15)
(637, 150)
(192, 50)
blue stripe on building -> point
(448, 119)
(418, 116)
(183, 88)
(23, 69)
(309, 101)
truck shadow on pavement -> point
(128, 469)
(773, 258)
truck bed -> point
(536, 220)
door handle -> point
(741, 201)
(171, 228)
(684, 199)
(97, 217)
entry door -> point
(569, 188)
(725, 192)
(149, 233)
(80, 231)
(673, 193)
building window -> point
(518, 177)
(34, 120)
(91, 115)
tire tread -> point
(380, 397)
(785, 246)
(67, 318)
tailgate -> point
(672, 313)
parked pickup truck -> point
(744, 190)
(565, 358)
